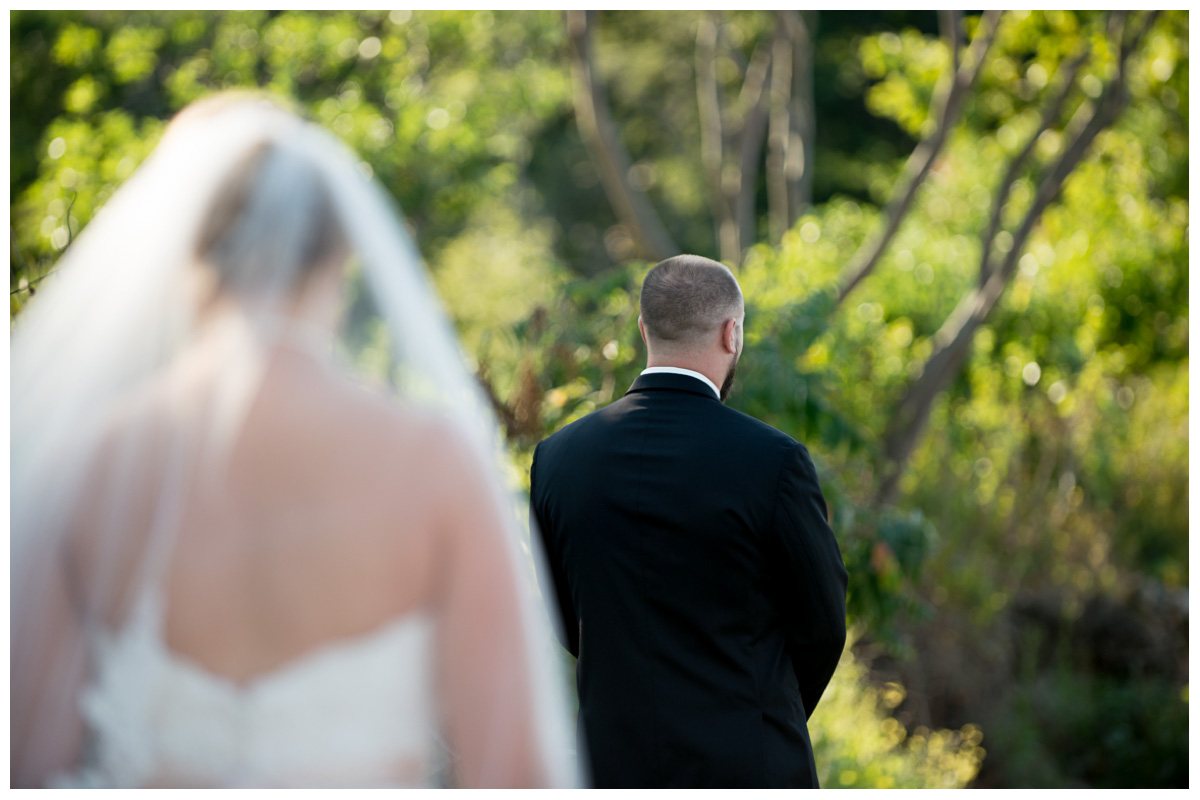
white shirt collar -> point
(682, 371)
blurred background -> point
(963, 241)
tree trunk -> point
(779, 134)
(945, 109)
(1050, 115)
(721, 198)
(608, 153)
(953, 339)
(753, 102)
(803, 137)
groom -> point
(687, 544)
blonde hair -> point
(272, 221)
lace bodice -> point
(356, 712)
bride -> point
(233, 563)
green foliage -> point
(131, 53)
(858, 745)
(585, 348)
(907, 67)
(1111, 734)
(441, 105)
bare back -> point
(324, 529)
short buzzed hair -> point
(685, 298)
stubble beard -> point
(727, 385)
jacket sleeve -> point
(812, 577)
(551, 576)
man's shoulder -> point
(746, 428)
(585, 425)
(755, 430)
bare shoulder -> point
(412, 457)
(436, 484)
(394, 427)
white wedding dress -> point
(354, 712)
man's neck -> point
(688, 371)
(713, 372)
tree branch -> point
(953, 339)
(803, 136)
(505, 414)
(752, 101)
(948, 104)
(951, 23)
(31, 285)
(603, 142)
(754, 80)
(779, 133)
(1112, 100)
(712, 140)
(1050, 115)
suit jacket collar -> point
(671, 382)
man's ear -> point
(642, 329)
(729, 336)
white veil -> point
(122, 307)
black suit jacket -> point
(699, 584)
